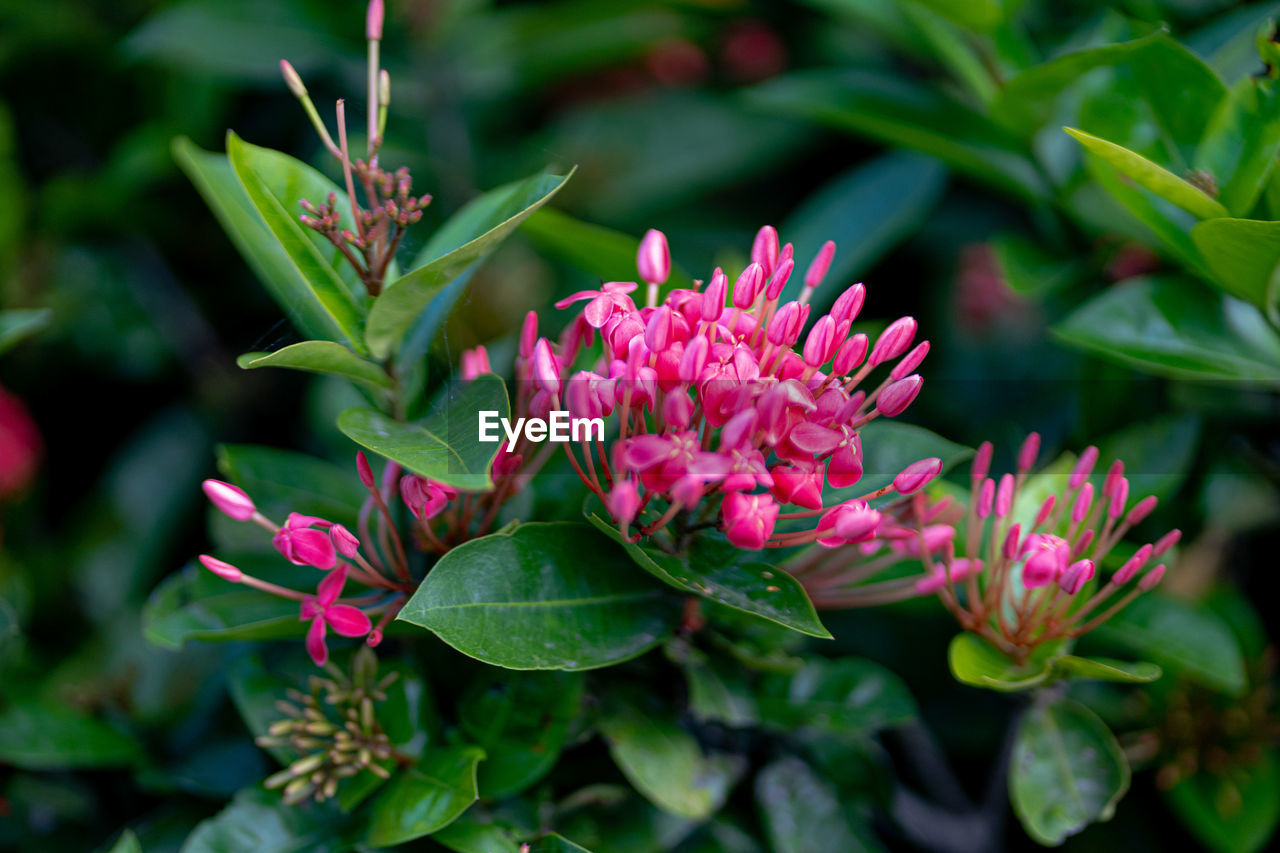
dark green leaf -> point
(1180, 89)
(888, 446)
(1157, 454)
(425, 797)
(719, 692)
(1104, 669)
(471, 234)
(1235, 811)
(320, 357)
(554, 843)
(1243, 255)
(472, 833)
(194, 604)
(284, 481)
(1066, 771)
(545, 596)
(37, 735)
(1151, 176)
(1176, 328)
(803, 813)
(1241, 142)
(976, 662)
(604, 253)
(983, 15)
(842, 696)
(447, 446)
(127, 843)
(259, 821)
(16, 325)
(726, 574)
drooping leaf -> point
(1066, 771)
(802, 812)
(1151, 176)
(976, 662)
(726, 574)
(543, 596)
(445, 447)
(842, 696)
(1234, 811)
(1243, 255)
(426, 797)
(16, 325)
(320, 357)
(39, 735)
(471, 235)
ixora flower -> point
(727, 411)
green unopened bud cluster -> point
(335, 729)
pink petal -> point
(645, 451)
(331, 587)
(315, 642)
(312, 548)
(347, 620)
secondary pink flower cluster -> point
(727, 409)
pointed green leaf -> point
(1105, 669)
(485, 222)
(320, 357)
(1240, 144)
(976, 662)
(544, 596)
(426, 797)
(1151, 176)
(1244, 256)
(447, 446)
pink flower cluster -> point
(727, 410)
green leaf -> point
(36, 735)
(976, 662)
(1157, 454)
(665, 763)
(274, 183)
(1176, 328)
(472, 833)
(544, 596)
(1151, 176)
(522, 721)
(867, 211)
(843, 696)
(604, 253)
(719, 692)
(981, 15)
(477, 230)
(731, 576)
(803, 812)
(888, 446)
(127, 843)
(447, 446)
(1066, 771)
(1188, 639)
(1241, 142)
(554, 843)
(901, 113)
(1180, 89)
(194, 604)
(1243, 255)
(284, 481)
(320, 357)
(259, 821)
(1233, 811)
(1104, 669)
(16, 325)
(426, 797)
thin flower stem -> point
(346, 167)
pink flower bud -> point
(528, 334)
(1113, 478)
(1126, 572)
(749, 519)
(657, 332)
(346, 544)
(895, 398)
(917, 475)
(1084, 467)
(475, 362)
(957, 570)
(229, 499)
(226, 571)
(778, 281)
(747, 287)
(800, 484)
(1030, 450)
(1084, 503)
(1046, 561)
(1076, 576)
(986, 498)
(363, 469)
(764, 250)
(847, 524)
(1151, 578)
(546, 368)
(1011, 542)
(1004, 496)
(981, 461)
(713, 298)
(1164, 543)
(850, 355)
(1119, 497)
(677, 410)
(849, 304)
(624, 502)
(303, 545)
(1141, 510)
(782, 329)
(653, 259)
(821, 264)
(819, 343)
(373, 20)
(1046, 509)
(694, 359)
(910, 361)
(894, 340)
(292, 80)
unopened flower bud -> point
(226, 571)
(895, 398)
(1141, 510)
(229, 499)
(373, 20)
(917, 475)
(747, 287)
(981, 461)
(821, 264)
(764, 250)
(292, 80)
(910, 361)
(894, 340)
(653, 259)
(363, 469)
(1028, 453)
(1151, 578)
(343, 540)
(1084, 467)
(713, 298)
(1076, 576)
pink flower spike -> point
(764, 249)
(1126, 572)
(302, 545)
(323, 610)
(229, 499)
(850, 355)
(1141, 510)
(1046, 561)
(778, 281)
(910, 361)
(1119, 497)
(1084, 503)
(820, 341)
(1011, 542)
(1076, 576)
(226, 571)
(821, 264)
(657, 332)
(713, 298)
(1165, 542)
(1027, 455)
(1151, 578)
(653, 259)
(894, 340)
(981, 461)
(1004, 496)
(363, 469)
(986, 498)
(849, 304)
(749, 519)
(346, 544)
(895, 399)
(747, 287)
(1084, 467)
(1114, 473)
(917, 475)
(528, 334)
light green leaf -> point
(36, 735)
(484, 223)
(16, 325)
(976, 662)
(426, 797)
(1243, 255)
(474, 833)
(446, 447)
(1240, 144)
(544, 596)
(320, 357)
(1066, 771)
(981, 15)
(1105, 669)
(1151, 176)
(274, 183)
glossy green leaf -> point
(194, 604)
(1105, 669)
(544, 596)
(842, 696)
(1243, 255)
(1240, 144)
(127, 843)
(282, 481)
(477, 230)
(1180, 90)
(16, 325)
(1066, 771)
(274, 183)
(258, 820)
(1187, 639)
(1234, 811)
(446, 447)
(976, 662)
(320, 357)
(521, 720)
(604, 253)
(1030, 270)
(1151, 176)
(426, 797)
(728, 575)
(37, 735)
(804, 813)
(473, 832)
(665, 763)
(1177, 328)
